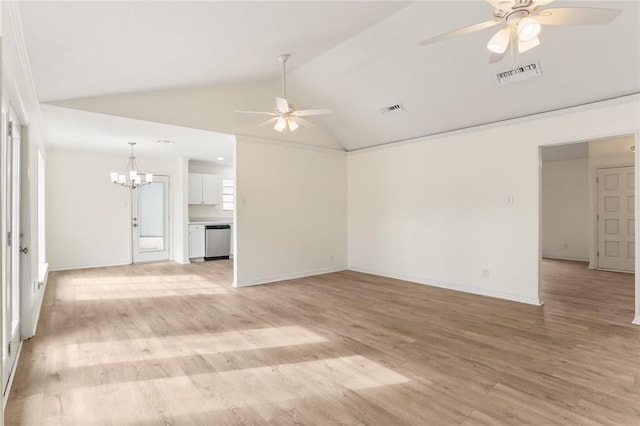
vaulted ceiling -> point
(353, 57)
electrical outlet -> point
(486, 273)
(565, 246)
(331, 259)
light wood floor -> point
(174, 344)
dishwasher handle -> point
(218, 227)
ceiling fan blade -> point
(282, 105)
(306, 112)
(459, 32)
(269, 121)
(302, 121)
(577, 16)
(292, 124)
(523, 46)
(257, 112)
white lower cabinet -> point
(196, 241)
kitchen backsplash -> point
(210, 211)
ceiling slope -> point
(451, 85)
(370, 64)
(80, 49)
(206, 108)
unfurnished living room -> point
(319, 213)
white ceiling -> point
(88, 131)
(353, 57)
(79, 49)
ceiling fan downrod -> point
(283, 59)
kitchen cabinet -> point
(196, 241)
(205, 189)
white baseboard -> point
(457, 287)
(57, 268)
(12, 375)
(291, 276)
(573, 259)
(636, 320)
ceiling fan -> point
(285, 115)
(523, 20)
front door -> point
(150, 221)
(616, 224)
(11, 243)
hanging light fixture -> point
(131, 179)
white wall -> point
(199, 212)
(290, 211)
(435, 210)
(88, 217)
(565, 209)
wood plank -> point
(175, 344)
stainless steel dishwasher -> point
(217, 242)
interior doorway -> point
(150, 221)
(587, 221)
(12, 237)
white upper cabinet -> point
(205, 189)
(211, 189)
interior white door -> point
(616, 224)
(11, 244)
(150, 221)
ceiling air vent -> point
(392, 110)
(524, 72)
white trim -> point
(457, 287)
(35, 311)
(18, 33)
(254, 139)
(42, 277)
(585, 260)
(285, 277)
(84, 266)
(12, 375)
(636, 320)
(634, 97)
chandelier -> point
(131, 179)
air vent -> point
(392, 110)
(165, 141)
(524, 72)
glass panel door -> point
(150, 221)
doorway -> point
(615, 219)
(587, 223)
(150, 221)
(12, 242)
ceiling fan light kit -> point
(524, 20)
(528, 29)
(285, 116)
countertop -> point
(212, 221)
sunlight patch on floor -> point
(96, 353)
(133, 288)
(133, 402)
